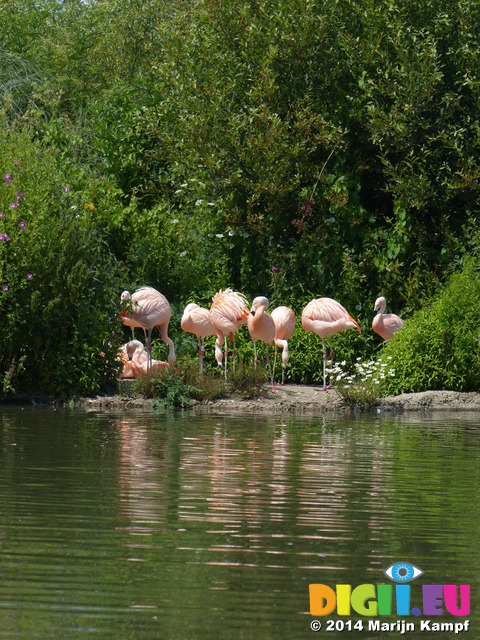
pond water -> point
(176, 526)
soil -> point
(300, 399)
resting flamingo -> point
(229, 311)
(261, 327)
(196, 320)
(385, 324)
(149, 309)
(284, 319)
(136, 360)
(326, 317)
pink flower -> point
(8, 178)
(5, 287)
(22, 225)
(29, 276)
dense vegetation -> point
(292, 149)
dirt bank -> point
(301, 399)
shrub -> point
(439, 348)
(59, 282)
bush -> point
(439, 348)
(59, 283)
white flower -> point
(198, 202)
(219, 235)
(175, 221)
(231, 232)
(182, 254)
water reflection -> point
(148, 526)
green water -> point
(179, 527)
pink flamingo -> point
(196, 320)
(326, 317)
(127, 320)
(261, 327)
(285, 320)
(149, 309)
(229, 311)
(135, 360)
(385, 324)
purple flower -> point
(274, 269)
(22, 225)
(58, 149)
(348, 258)
(67, 188)
(29, 276)
(6, 237)
(1, 214)
(13, 205)
(5, 287)
(19, 195)
(8, 178)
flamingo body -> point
(196, 320)
(326, 317)
(285, 321)
(135, 360)
(149, 309)
(261, 327)
(385, 324)
(228, 313)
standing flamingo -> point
(284, 319)
(150, 309)
(326, 317)
(228, 313)
(385, 324)
(261, 327)
(128, 321)
(196, 320)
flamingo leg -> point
(275, 362)
(270, 370)
(149, 349)
(255, 358)
(324, 361)
(226, 356)
(331, 359)
(201, 353)
(283, 375)
(234, 353)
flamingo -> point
(136, 360)
(326, 317)
(284, 319)
(127, 320)
(149, 309)
(385, 324)
(261, 327)
(228, 312)
(196, 320)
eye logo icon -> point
(403, 572)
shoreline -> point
(302, 399)
(290, 399)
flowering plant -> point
(362, 387)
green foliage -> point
(59, 281)
(439, 346)
(279, 148)
(172, 392)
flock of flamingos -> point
(148, 308)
